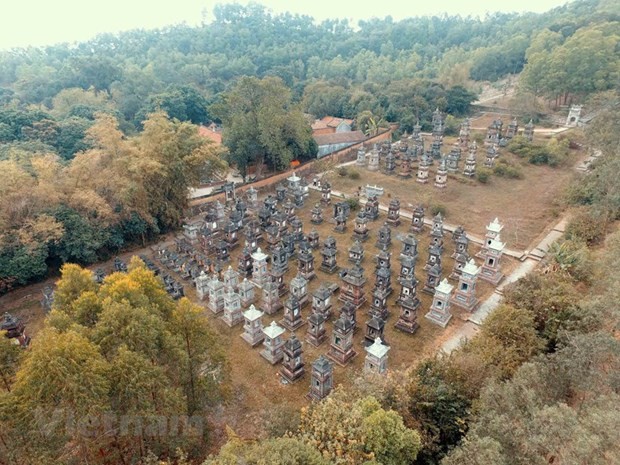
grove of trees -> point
(119, 191)
(120, 371)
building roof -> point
(444, 287)
(273, 330)
(378, 349)
(334, 122)
(322, 365)
(351, 137)
(470, 268)
(495, 226)
(212, 133)
(252, 313)
(329, 122)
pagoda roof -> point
(408, 238)
(376, 323)
(298, 278)
(328, 251)
(273, 330)
(378, 349)
(343, 324)
(252, 313)
(435, 270)
(444, 287)
(316, 318)
(322, 293)
(495, 226)
(471, 268)
(293, 344)
(496, 245)
(322, 365)
(356, 247)
(293, 178)
(259, 255)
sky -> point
(45, 22)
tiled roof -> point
(209, 133)
(333, 122)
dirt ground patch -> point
(525, 206)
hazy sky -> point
(42, 22)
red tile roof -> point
(211, 133)
(329, 122)
(333, 122)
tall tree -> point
(262, 125)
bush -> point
(438, 208)
(354, 204)
(483, 175)
(354, 175)
(587, 226)
(342, 171)
(505, 169)
(553, 154)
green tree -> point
(262, 125)
(507, 339)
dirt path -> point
(471, 326)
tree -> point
(437, 404)
(279, 451)
(350, 431)
(180, 158)
(184, 103)
(203, 370)
(551, 300)
(559, 408)
(261, 124)
(324, 99)
(74, 281)
(9, 361)
(507, 339)
(459, 100)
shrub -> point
(553, 154)
(483, 175)
(354, 175)
(342, 171)
(587, 225)
(354, 204)
(438, 208)
(505, 169)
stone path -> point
(471, 326)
